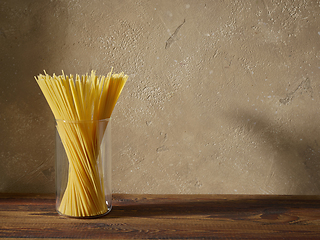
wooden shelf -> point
(167, 216)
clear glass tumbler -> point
(83, 168)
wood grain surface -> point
(167, 216)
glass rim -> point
(83, 121)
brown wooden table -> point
(167, 216)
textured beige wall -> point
(223, 96)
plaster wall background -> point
(222, 96)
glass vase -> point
(83, 168)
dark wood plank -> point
(167, 216)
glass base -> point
(87, 217)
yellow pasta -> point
(79, 100)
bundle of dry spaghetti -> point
(79, 100)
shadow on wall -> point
(295, 162)
(29, 39)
